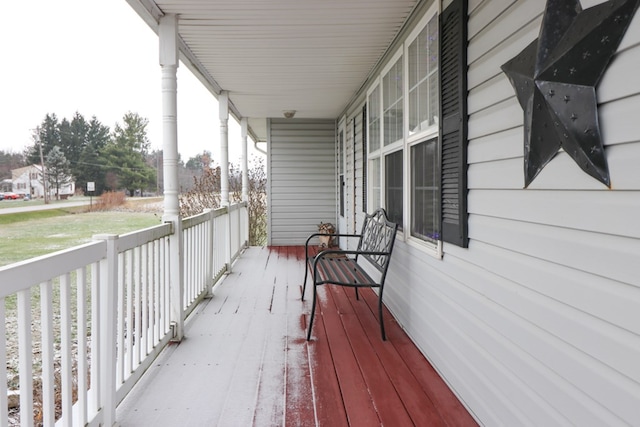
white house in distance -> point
(28, 180)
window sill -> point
(431, 249)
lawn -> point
(27, 235)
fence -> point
(82, 325)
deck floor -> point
(245, 361)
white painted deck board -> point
(212, 377)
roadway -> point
(28, 206)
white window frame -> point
(405, 144)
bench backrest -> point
(378, 235)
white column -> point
(245, 161)
(168, 34)
(223, 108)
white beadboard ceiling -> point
(311, 56)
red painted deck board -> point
(245, 360)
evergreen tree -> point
(78, 137)
(10, 161)
(91, 165)
(47, 134)
(98, 135)
(58, 171)
(125, 156)
(133, 133)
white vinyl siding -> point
(302, 178)
(537, 322)
(564, 289)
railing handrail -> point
(25, 274)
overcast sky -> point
(98, 58)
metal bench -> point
(352, 267)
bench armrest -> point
(306, 244)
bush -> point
(109, 200)
(205, 194)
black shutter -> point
(364, 158)
(453, 125)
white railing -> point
(82, 325)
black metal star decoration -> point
(555, 80)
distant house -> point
(28, 180)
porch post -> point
(223, 110)
(223, 114)
(168, 34)
(245, 162)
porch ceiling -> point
(276, 55)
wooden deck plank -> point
(269, 408)
(329, 407)
(445, 401)
(413, 397)
(370, 350)
(299, 406)
(355, 392)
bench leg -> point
(306, 273)
(313, 312)
(384, 336)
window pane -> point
(423, 53)
(434, 106)
(393, 187)
(374, 168)
(413, 64)
(413, 110)
(425, 205)
(423, 93)
(392, 100)
(374, 119)
(432, 41)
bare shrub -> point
(205, 194)
(257, 203)
(109, 200)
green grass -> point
(29, 234)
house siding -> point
(302, 177)
(537, 322)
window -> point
(425, 191)
(393, 187)
(404, 151)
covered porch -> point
(245, 361)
